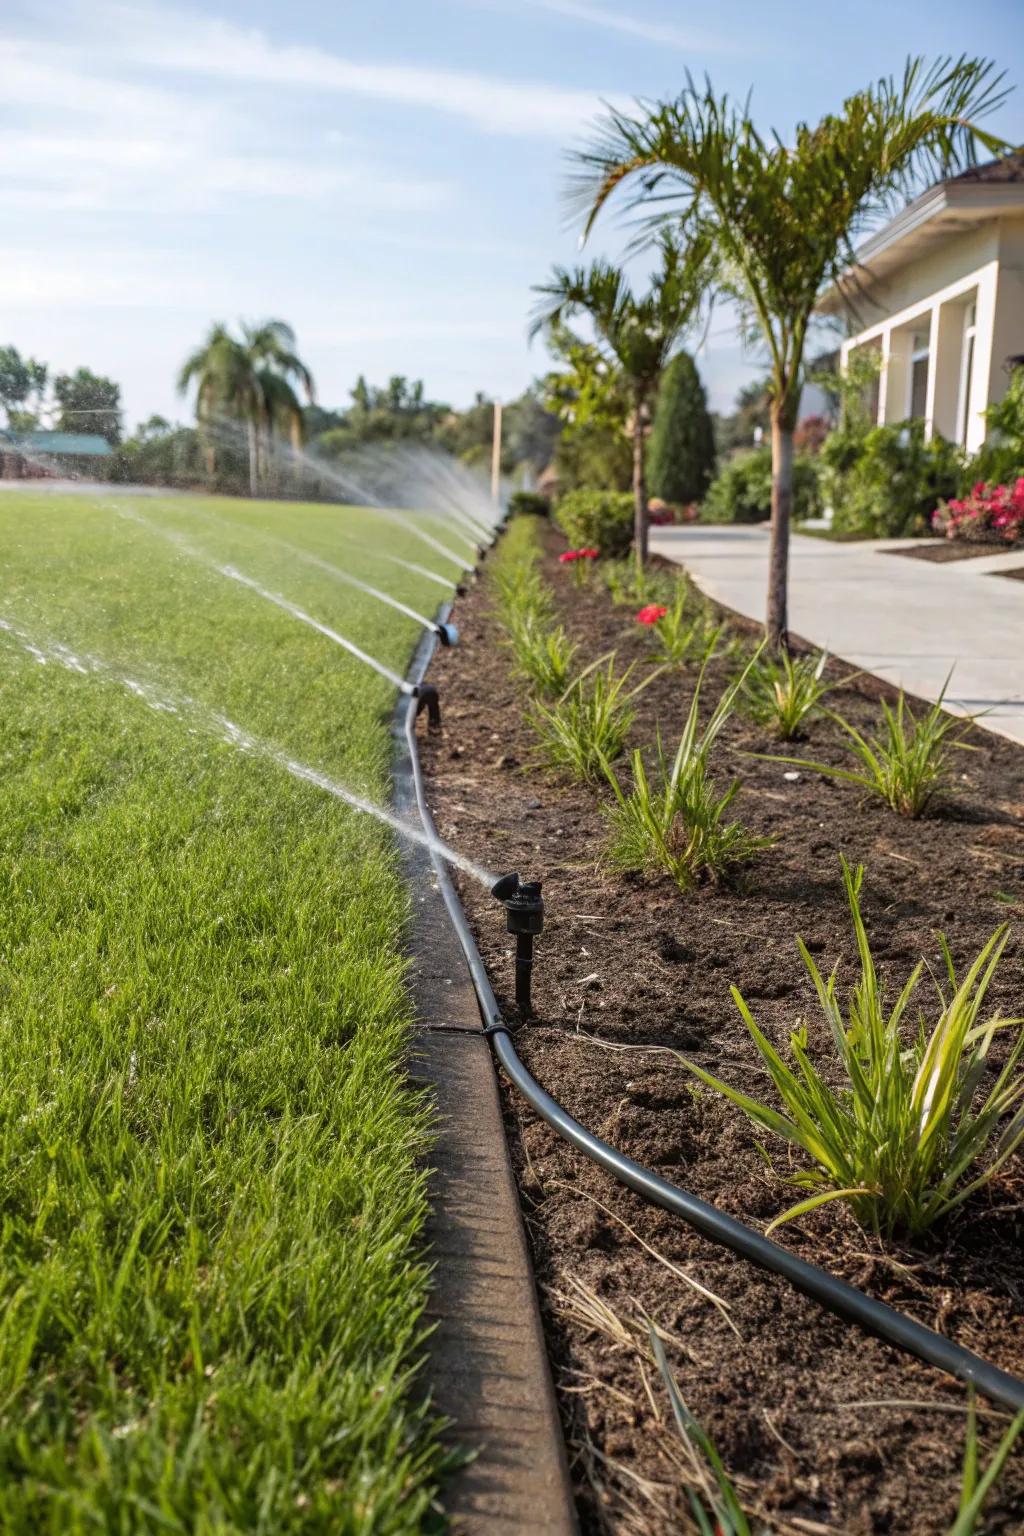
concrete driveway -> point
(909, 621)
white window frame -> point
(968, 358)
(921, 354)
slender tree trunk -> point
(639, 488)
(254, 458)
(777, 616)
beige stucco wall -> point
(930, 296)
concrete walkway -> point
(909, 621)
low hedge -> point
(601, 520)
(741, 492)
(528, 503)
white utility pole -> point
(496, 454)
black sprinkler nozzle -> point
(524, 916)
(448, 634)
(426, 698)
(461, 589)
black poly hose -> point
(835, 1295)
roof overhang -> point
(947, 209)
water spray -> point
(524, 916)
(447, 633)
(196, 714)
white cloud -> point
(99, 144)
(689, 39)
(162, 39)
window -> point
(919, 360)
(966, 373)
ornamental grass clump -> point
(588, 725)
(907, 763)
(785, 692)
(683, 632)
(921, 1119)
(675, 819)
(542, 657)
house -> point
(938, 295)
(38, 455)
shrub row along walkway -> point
(909, 621)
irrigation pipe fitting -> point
(836, 1296)
(425, 695)
(448, 634)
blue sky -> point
(386, 177)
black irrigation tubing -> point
(835, 1295)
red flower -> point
(651, 614)
(588, 554)
(570, 555)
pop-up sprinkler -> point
(524, 916)
(426, 698)
(448, 634)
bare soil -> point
(952, 549)
(824, 1428)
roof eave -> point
(984, 199)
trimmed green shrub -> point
(681, 453)
(887, 482)
(529, 503)
(741, 492)
(601, 520)
(1000, 461)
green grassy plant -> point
(785, 692)
(677, 821)
(918, 1124)
(713, 1502)
(211, 1283)
(629, 586)
(588, 725)
(975, 1489)
(686, 634)
(907, 764)
(543, 657)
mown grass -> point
(210, 1285)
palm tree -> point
(783, 217)
(637, 334)
(250, 379)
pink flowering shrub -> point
(993, 514)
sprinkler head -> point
(448, 634)
(426, 698)
(524, 916)
(461, 589)
(523, 903)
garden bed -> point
(945, 551)
(824, 1428)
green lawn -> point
(210, 1287)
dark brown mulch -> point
(826, 1429)
(951, 549)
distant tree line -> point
(82, 401)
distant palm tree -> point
(250, 380)
(637, 334)
(783, 215)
